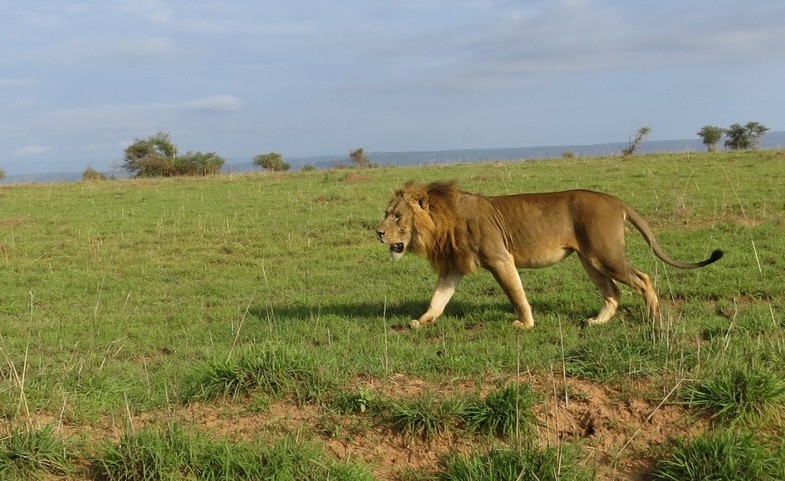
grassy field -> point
(252, 327)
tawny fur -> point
(458, 232)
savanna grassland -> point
(252, 327)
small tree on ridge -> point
(156, 156)
(359, 158)
(635, 142)
(744, 137)
(711, 136)
(272, 161)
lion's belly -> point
(540, 258)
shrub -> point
(272, 161)
(92, 174)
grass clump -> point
(738, 395)
(32, 455)
(172, 453)
(513, 465)
(361, 402)
(274, 370)
(726, 456)
(424, 417)
(505, 413)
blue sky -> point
(80, 80)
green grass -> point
(506, 412)
(269, 369)
(727, 456)
(173, 453)
(738, 395)
(424, 417)
(132, 297)
(32, 454)
(512, 465)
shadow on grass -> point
(403, 312)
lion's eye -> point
(397, 217)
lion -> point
(458, 232)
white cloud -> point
(32, 150)
(217, 103)
(107, 49)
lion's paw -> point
(595, 321)
(524, 327)
(415, 324)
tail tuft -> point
(715, 256)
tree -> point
(2, 173)
(151, 157)
(711, 136)
(756, 131)
(635, 142)
(198, 163)
(737, 138)
(744, 137)
(156, 156)
(272, 161)
(359, 158)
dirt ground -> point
(615, 430)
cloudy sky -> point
(80, 80)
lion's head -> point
(403, 219)
(423, 219)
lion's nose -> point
(380, 235)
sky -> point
(82, 80)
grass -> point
(738, 395)
(172, 453)
(728, 455)
(506, 412)
(32, 454)
(425, 417)
(269, 369)
(126, 301)
(513, 465)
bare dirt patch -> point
(615, 430)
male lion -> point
(458, 232)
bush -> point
(92, 174)
(156, 156)
(272, 161)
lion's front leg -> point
(507, 276)
(445, 288)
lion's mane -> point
(439, 232)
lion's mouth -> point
(397, 248)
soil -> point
(618, 432)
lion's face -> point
(396, 228)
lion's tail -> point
(643, 227)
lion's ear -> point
(420, 198)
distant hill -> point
(772, 140)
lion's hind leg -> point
(622, 271)
(611, 293)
